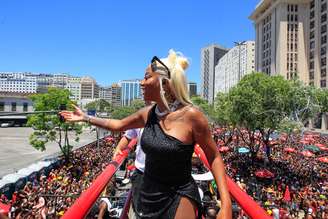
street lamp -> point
(239, 44)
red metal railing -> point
(82, 205)
(251, 208)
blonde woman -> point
(172, 126)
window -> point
(324, 39)
(2, 106)
(296, 8)
(323, 72)
(312, 4)
(324, 7)
(25, 107)
(311, 75)
(323, 61)
(296, 18)
(311, 14)
(312, 45)
(323, 83)
(13, 107)
(323, 51)
(312, 34)
(323, 18)
(311, 65)
(323, 28)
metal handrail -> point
(83, 204)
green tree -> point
(258, 105)
(204, 106)
(223, 117)
(100, 105)
(49, 127)
(137, 104)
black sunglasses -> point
(154, 65)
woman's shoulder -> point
(195, 114)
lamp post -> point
(239, 44)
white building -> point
(210, 56)
(130, 90)
(236, 63)
(291, 39)
(17, 82)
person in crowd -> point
(171, 128)
(139, 161)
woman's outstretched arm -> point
(136, 120)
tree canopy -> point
(48, 127)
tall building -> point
(89, 88)
(236, 63)
(74, 86)
(291, 39)
(210, 56)
(116, 95)
(105, 93)
(130, 90)
(17, 82)
(192, 89)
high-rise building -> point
(89, 88)
(236, 63)
(291, 39)
(105, 93)
(116, 95)
(130, 90)
(192, 89)
(210, 56)
(17, 82)
(74, 86)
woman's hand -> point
(76, 116)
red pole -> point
(251, 208)
(82, 205)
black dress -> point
(167, 175)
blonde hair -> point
(177, 65)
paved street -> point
(17, 153)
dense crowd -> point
(298, 187)
(50, 196)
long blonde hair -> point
(177, 64)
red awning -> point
(4, 209)
(291, 150)
(224, 149)
(264, 174)
(307, 154)
(323, 159)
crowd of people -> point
(297, 189)
(49, 196)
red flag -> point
(287, 195)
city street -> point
(17, 153)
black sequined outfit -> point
(167, 175)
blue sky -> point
(115, 40)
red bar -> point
(82, 205)
(251, 208)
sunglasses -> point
(154, 66)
